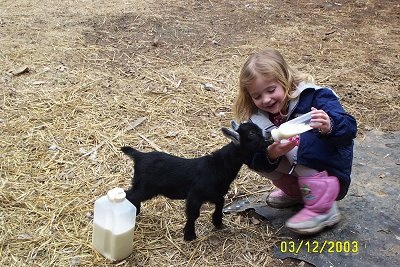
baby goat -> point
(198, 180)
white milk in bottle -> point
(293, 127)
(113, 225)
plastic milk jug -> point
(113, 224)
(293, 127)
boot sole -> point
(314, 230)
(283, 205)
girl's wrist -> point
(330, 128)
(270, 157)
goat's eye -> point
(252, 133)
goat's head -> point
(247, 135)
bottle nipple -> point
(116, 194)
(276, 135)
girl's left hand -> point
(279, 149)
(320, 120)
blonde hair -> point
(270, 64)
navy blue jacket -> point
(332, 152)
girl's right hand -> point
(278, 149)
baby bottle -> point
(293, 127)
(113, 224)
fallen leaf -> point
(24, 236)
(156, 41)
(19, 71)
(255, 221)
(208, 86)
(171, 134)
(239, 219)
(53, 147)
(38, 82)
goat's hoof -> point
(220, 226)
(189, 237)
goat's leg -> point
(136, 196)
(217, 215)
(193, 205)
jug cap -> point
(116, 194)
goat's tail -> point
(130, 151)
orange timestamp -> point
(314, 246)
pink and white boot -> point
(320, 208)
(288, 192)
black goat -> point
(198, 180)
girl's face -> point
(268, 95)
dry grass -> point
(97, 67)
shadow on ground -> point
(369, 233)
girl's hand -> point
(320, 120)
(278, 149)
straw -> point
(80, 79)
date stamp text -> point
(314, 246)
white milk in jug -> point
(113, 225)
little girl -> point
(313, 168)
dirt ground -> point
(75, 75)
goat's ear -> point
(231, 134)
(234, 125)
